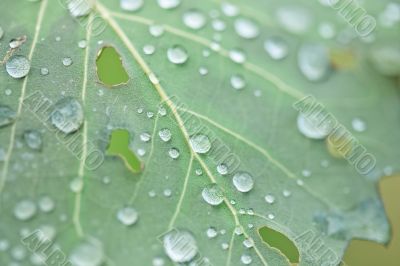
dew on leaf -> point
(165, 134)
(127, 216)
(327, 30)
(18, 253)
(46, 204)
(222, 169)
(67, 61)
(224, 246)
(25, 210)
(211, 232)
(309, 127)
(156, 30)
(237, 81)
(200, 143)
(18, 66)
(76, 185)
(246, 28)
(131, 5)
(145, 137)
(7, 116)
(218, 25)
(271, 216)
(173, 153)
(82, 44)
(237, 55)
(229, 10)
(8, 92)
(180, 246)
(314, 62)
(248, 243)
(44, 71)
(386, 59)
(87, 253)
(212, 194)
(168, 4)
(177, 54)
(358, 125)
(276, 47)
(149, 49)
(4, 244)
(79, 8)
(167, 192)
(270, 199)
(33, 139)
(199, 172)
(153, 78)
(243, 181)
(238, 230)
(203, 71)
(246, 259)
(194, 19)
(110, 68)
(67, 115)
(158, 261)
(295, 19)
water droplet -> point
(168, 4)
(177, 54)
(153, 78)
(7, 116)
(358, 125)
(46, 204)
(67, 61)
(127, 216)
(271, 216)
(246, 259)
(224, 246)
(248, 243)
(167, 192)
(270, 199)
(309, 127)
(246, 28)
(156, 30)
(8, 92)
(25, 210)
(67, 115)
(327, 30)
(294, 19)
(4, 244)
(145, 137)
(276, 47)
(149, 49)
(238, 82)
(237, 55)
(286, 193)
(33, 139)
(212, 194)
(88, 253)
(200, 143)
(211, 232)
(203, 71)
(243, 181)
(314, 61)
(230, 10)
(218, 25)
(165, 134)
(44, 71)
(180, 246)
(82, 44)
(131, 5)
(18, 66)
(76, 185)
(386, 59)
(79, 8)
(194, 19)
(222, 169)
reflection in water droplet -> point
(276, 47)
(243, 181)
(212, 194)
(168, 4)
(180, 246)
(314, 61)
(7, 116)
(194, 19)
(33, 139)
(246, 28)
(200, 143)
(131, 5)
(25, 210)
(18, 66)
(127, 216)
(67, 115)
(177, 54)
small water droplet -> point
(286, 193)
(246, 28)
(18, 66)
(246, 259)
(167, 192)
(1, 32)
(25, 210)
(131, 5)
(222, 169)
(314, 62)
(248, 243)
(158, 261)
(177, 54)
(82, 44)
(230, 10)
(243, 181)
(149, 49)
(67, 61)
(153, 78)
(180, 246)
(212, 194)
(238, 82)
(79, 8)
(168, 4)
(194, 19)
(271, 216)
(270, 199)
(76, 185)
(145, 137)
(203, 71)
(358, 125)
(87, 253)
(33, 139)
(237, 55)
(276, 47)
(199, 172)
(44, 71)
(200, 143)
(224, 246)
(46, 204)
(211, 232)
(295, 19)
(7, 116)
(218, 25)
(309, 127)
(127, 216)
(156, 30)
(165, 134)
(67, 115)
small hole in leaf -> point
(119, 146)
(110, 68)
(279, 241)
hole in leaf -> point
(119, 146)
(279, 241)
(110, 68)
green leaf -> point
(320, 201)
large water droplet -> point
(127, 216)
(243, 181)
(177, 54)
(131, 5)
(88, 253)
(213, 194)
(276, 47)
(67, 115)
(33, 139)
(7, 116)
(18, 66)
(25, 210)
(314, 61)
(200, 143)
(246, 28)
(180, 246)
(168, 4)
(194, 19)
(309, 127)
